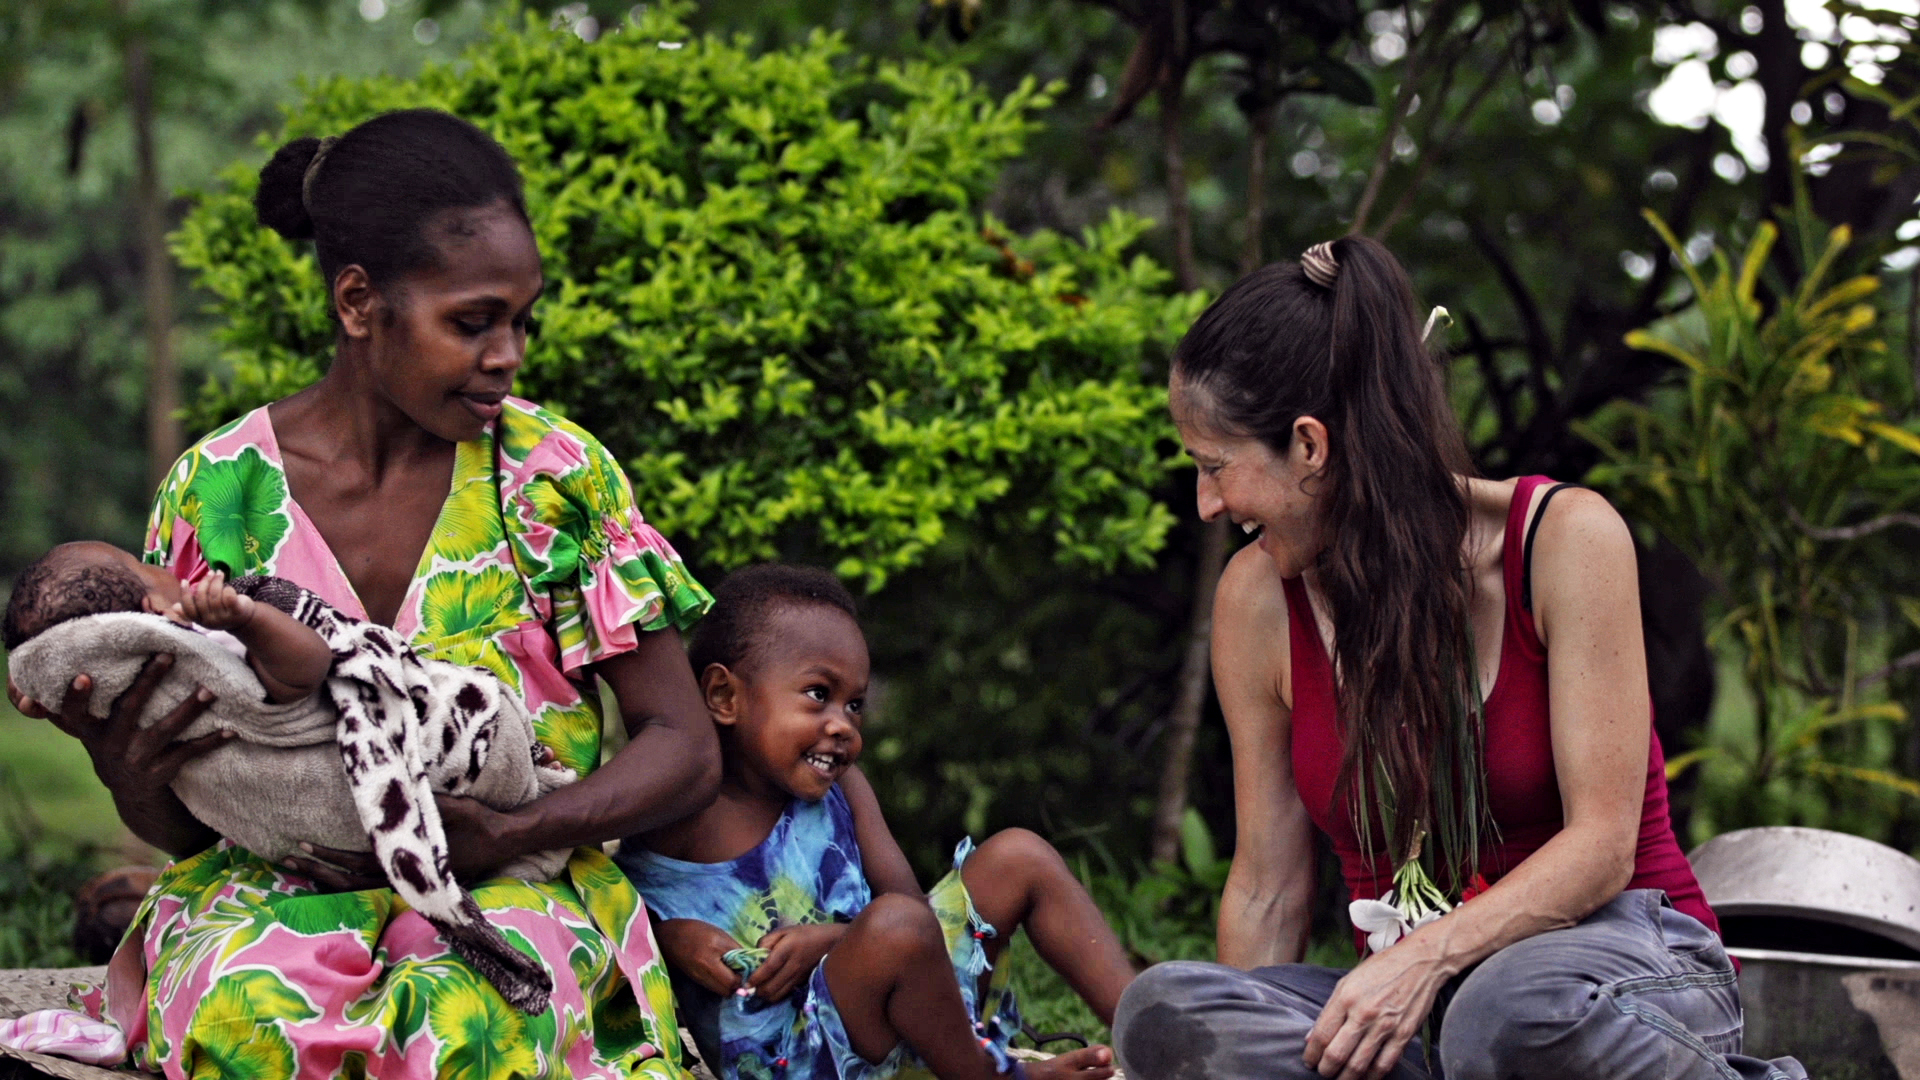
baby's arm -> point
(291, 659)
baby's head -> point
(783, 668)
(83, 578)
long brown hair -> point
(1276, 346)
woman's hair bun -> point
(280, 202)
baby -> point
(91, 578)
(802, 946)
(357, 767)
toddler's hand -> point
(792, 954)
(214, 604)
(698, 948)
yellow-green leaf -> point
(1900, 437)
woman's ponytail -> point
(1337, 336)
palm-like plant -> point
(1775, 462)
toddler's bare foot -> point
(1092, 1063)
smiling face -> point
(790, 713)
(1269, 495)
(442, 345)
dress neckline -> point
(422, 566)
(781, 823)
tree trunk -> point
(1196, 671)
(1913, 328)
(1251, 257)
(1782, 76)
(1196, 679)
(156, 266)
(1179, 211)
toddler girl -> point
(802, 946)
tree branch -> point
(1533, 326)
(1898, 665)
(1383, 157)
(1439, 149)
(1497, 389)
(1851, 532)
(1259, 122)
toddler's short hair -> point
(51, 591)
(745, 598)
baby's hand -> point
(214, 604)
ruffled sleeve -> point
(597, 572)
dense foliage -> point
(771, 290)
(1784, 456)
(1016, 690)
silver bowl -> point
(1812, 874)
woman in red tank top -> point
(1446, 676)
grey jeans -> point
(1636, 991)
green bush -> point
(772, 291)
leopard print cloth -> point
(409, 727)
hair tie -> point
(1318, 263)
(313, 169)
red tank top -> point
(1522, 789)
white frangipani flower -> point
(1384, 924)
(1412, 903)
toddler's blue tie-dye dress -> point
(807, 870)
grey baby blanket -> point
(353, 767)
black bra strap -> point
(1526, 555)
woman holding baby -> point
(1444, 676)
(407, 488)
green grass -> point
(45, 774)
(1049, 1005)
(36, 911)
(57, 829)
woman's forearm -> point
(660, 777)
(669, 770)
(166, 823)
(1566, 880)
(1262, 926)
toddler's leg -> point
(892, 982)
(1017, 879)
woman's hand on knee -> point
(1373, 1014)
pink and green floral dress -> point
(539, 565)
